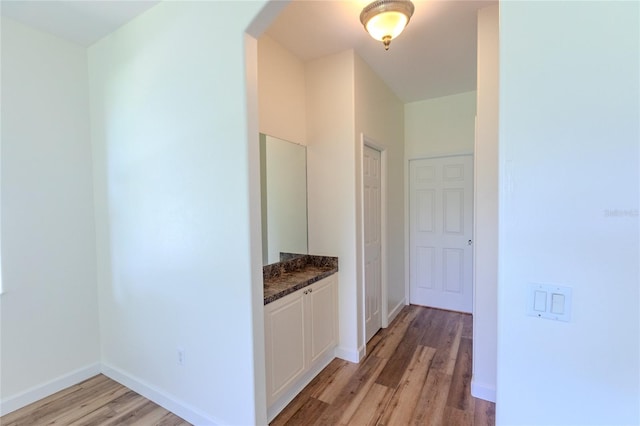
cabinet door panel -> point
(285, 343)
(322, 310)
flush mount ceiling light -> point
(384, 20)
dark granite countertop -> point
(284, 278)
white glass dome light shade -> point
(384, 20)
(386, 24)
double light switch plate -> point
(549, 301)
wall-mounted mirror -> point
(283, 182)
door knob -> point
(470, 242)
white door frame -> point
(365, 140)
(407, 218)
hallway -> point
(416, 371)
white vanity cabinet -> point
(301, 333)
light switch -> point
(557, 303)
(540, 301)
(549, 301)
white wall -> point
(569, 195)
(282, 114)
(49, 321)
(379, 115)
(331, 163)
(440, 126)
(345, 99)
(281, 92)
(174, 197)
(485, 245)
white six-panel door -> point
(372, 187)
(440, 232)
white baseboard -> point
(362, 352)
(42, 391)
(395, 311)
(279, 405)
(483, 391)
(179, 408)
(350, 354)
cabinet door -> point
(284, 343)
(323, 316)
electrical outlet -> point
(181, 359)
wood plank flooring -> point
(98, 401)
(416, 372)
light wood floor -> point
(96, 401)
(417, 372)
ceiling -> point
(82, 22)
(435, 55)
